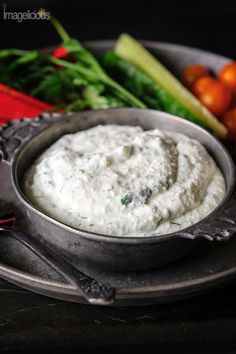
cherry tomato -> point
(201, 85)
(216, 97)
(227, 76)
(229, 120)
(193, 72)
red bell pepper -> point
(15, 104)
(60, 52)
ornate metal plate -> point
(207, 267)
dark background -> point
(205, 324)
(209, 24)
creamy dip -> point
(121, 180)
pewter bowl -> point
(21, 143)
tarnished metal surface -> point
(136, 253)
(118, 253)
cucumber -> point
(143, 87)
(131, 50)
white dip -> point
(121, 180)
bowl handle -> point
(219, 227)
(15, 133)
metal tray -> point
(208, 266)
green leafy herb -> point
(159, 222)
(87, 65)
(73, 85)
(127, 199)
(175, 223)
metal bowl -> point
(21, 143)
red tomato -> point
(229, 120)
(215, 96)
(193, 72)
(201, 85)
(227, 76)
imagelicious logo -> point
(25, 15)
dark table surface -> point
(207, 24)
(205, 324)
(201, 325)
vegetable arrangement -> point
(72, 79)
(218, 94)
(131, 50)
(143, 87)
(70, 85)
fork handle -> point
(93, 291)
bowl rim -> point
(123, 239)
